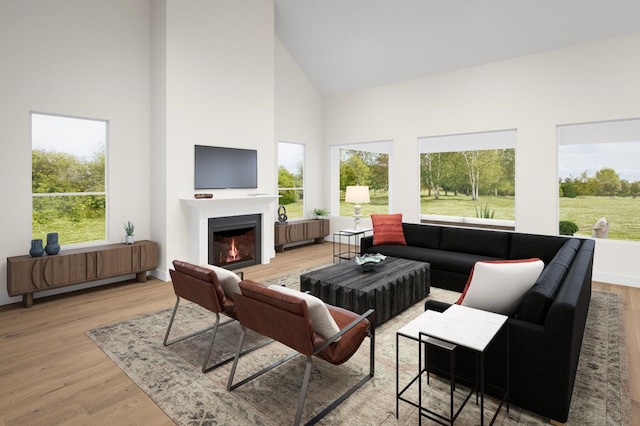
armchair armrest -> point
(344, 330)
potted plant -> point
(567, 227)
(128, 229)
(320, 213)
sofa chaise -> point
(545, 333)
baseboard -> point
(625, 280)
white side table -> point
(462, 326)
(353, 237)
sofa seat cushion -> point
(536, 301)
(443, 260)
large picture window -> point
(599, 179)
(468, 176)
(362, 164)
(291, 178)
(68, 182)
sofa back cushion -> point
(537, 300)
(528, 245)
(475, 241)
(418, 235)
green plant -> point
(129, 228)
(320, 212)
(484, 212)
(567, 227)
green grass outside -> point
(69, 232)
(622, 213)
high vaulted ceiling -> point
(347, 45)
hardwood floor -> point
(51, 373)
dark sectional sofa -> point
(545, 335)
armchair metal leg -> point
(303, 390)
(206, 367)
(353, 388)
(305, 382)
(239, 353)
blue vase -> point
(52, 243)
(36, 248)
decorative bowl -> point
(368, 261)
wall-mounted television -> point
(219, 167)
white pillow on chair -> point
(322, 321)
(228, 280)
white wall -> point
(533, 94)
(217, 88)
(299, 119)
(78, 58)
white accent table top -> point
(461, 325)
(354, 231)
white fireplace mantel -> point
(200, 210)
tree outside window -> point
(599, 177)
(68, 178)
(468, 176)
(291, 178)
(365, 168)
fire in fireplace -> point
(235, 241)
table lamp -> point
(357, 195)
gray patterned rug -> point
(171, 375)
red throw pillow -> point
(387, 229)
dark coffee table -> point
(390, 287)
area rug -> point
(171, 375)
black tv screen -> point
(218, 167)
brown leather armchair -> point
(200, 285)
(286, 318)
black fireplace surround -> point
(235, 241)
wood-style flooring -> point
(51, 373)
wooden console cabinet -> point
(312, 229)
(27, 275)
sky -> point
(289, 155)
(623, 157)
(80, 137)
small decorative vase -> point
(36, 248)
(129, 239)
(52, 243)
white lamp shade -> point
(357, 194)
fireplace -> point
(235, 241)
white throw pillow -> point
(322, 321)
(228, 280)
(499, 286)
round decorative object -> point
(52, 243)
(282, 214)
(368, 261)
(36, 248)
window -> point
(599, 177)
(68, 178)
(291, 178)
(366, 164)
(468, 176)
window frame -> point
(473, 141)
(294, 188)
(105, 193)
